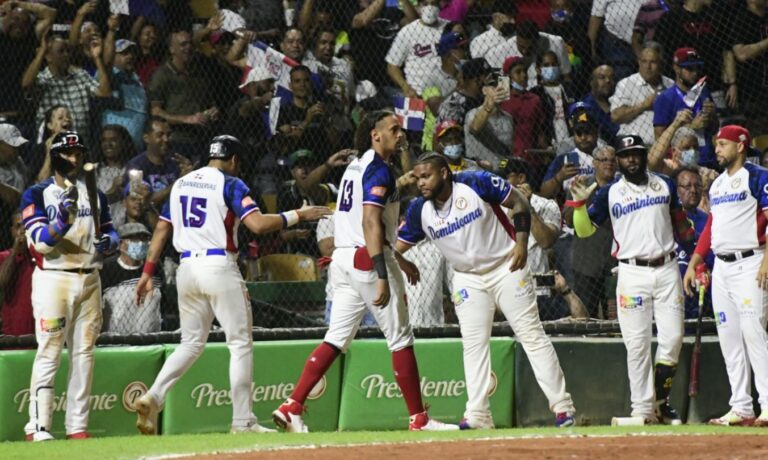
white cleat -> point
(288, 417)
(38, 436)
(422, 422)
(252, 427)
(147, 410)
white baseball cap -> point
(256, 74)
(11, 135)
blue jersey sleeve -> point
(411, 231)
(237, 197)
(598, 209)
(490, 187)
(32, 207)
(165, 214)
(674, 200)
(378, 183)
(758, 184)
(554, 167)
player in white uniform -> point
(736, 232)
(647, 218)
(203, 213)
(366, 275)
(461, 214)
(66, 289)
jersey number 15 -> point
(193, 211)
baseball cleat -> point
(466, 424)
(39, 436)
(79, 435)
(422, 422)
(252, 427)
(147, 410)
(762, 421)
(288, 417)
(667, 414)
(564, 419)
(732, 419)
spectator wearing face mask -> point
(501, 29)
(450, 142)
(119, 278)
(556, 95)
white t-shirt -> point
(499, 125)
(343, 83)
(416, 47)
(558, 120)
(480, 45)
(620, 16)
(232, 21)
(631, 91)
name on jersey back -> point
(193, 184)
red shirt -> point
(17, 309)
(527, 113)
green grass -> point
(127, 447)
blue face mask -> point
(454, 152)
(550, 73)
(517, 86)
(137, 250)
(689, 157)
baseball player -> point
(366, 275)
(647, 219)
(735, 232)
(203, 212)
(66, 289)
(461, 214)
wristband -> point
(149, 268)
(566, 292)
(575, 203)
(290, 218)
(380, 266)
(522, 222)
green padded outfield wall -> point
(371, 399)
(121, 375)
(596, 376)
(200, 401)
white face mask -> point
(429, 14)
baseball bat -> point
(89, 171)
(693, 383)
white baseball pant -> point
(208, 287)
(476, 298)
(354, 292)
(741, 310)
(67, 309)
(642, 295)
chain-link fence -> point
(535, 91)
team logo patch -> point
(459, 297)
(247, 201)
(461, 203)
(630, 302)
(52, 324)
(379, 191)
(28, 212)
(736, 182)
(655, 186)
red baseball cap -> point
(446, 125)
(510, 62)
(687, 57)
(734, 133)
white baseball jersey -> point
(205, 209)
(471, 229)
(641, 216)
(40, 207)
(737, 205)
(415, 46)
(368, 180)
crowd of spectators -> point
(532, 90)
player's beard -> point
(432, 194)
(639, 176)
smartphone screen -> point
(571, 158)
(504, 84)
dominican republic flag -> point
(410, 112)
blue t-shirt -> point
(159, 177)
(665, 109)
(608, 129)
(699, 220)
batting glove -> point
(103, 244)
(702, 275)
(67, 207)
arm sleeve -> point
(705, 239)
(398, 51)
(34, 217)
(411, 231)
(378, 184)
(165, 214)
(758, 186)
(598, 8)
(582, 224)
(237, 197)
(490, 187)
